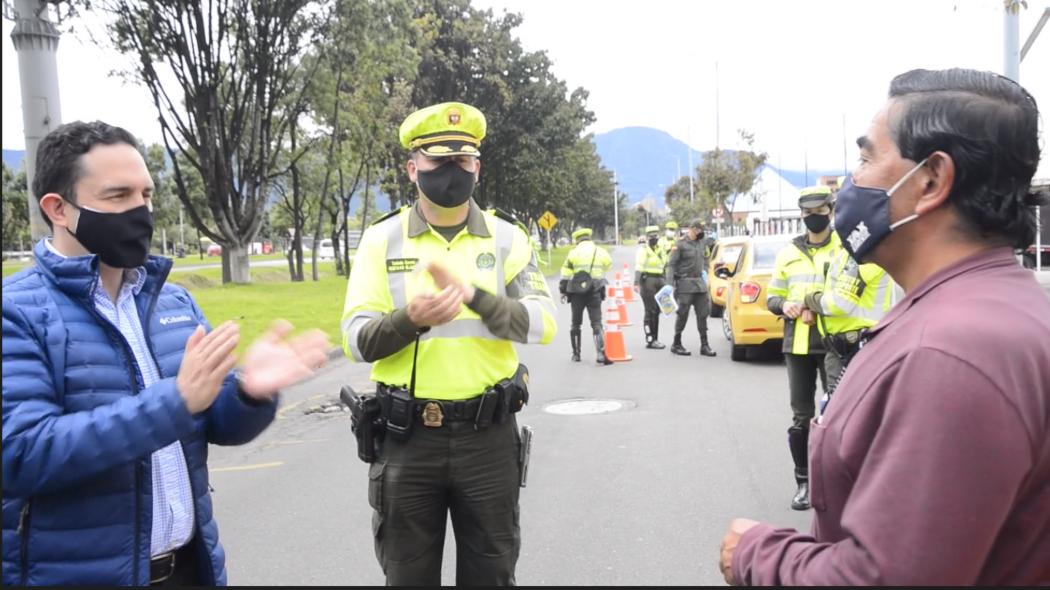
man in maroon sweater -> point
(931, 465)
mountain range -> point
(646, 161)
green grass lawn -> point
(11, 266)
(270, 296)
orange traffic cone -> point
(615, 347)
(621, 310)
(627, 286)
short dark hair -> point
(989, 125)
(58, 156)
(697, 224)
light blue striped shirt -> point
(172, 496)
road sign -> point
(548, 220)
(717, 213)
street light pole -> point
(35, 39)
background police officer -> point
(583, 284)
(417, 328)
(854, 298)
(649, 268)
(670, 237)
(687, 271)
(799, 271)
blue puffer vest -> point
(79, 427)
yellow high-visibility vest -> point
(580, 258)
(795, 275)
(650, 260)
(462, 358)
(855, 296)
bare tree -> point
(224, 78)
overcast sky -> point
(801, 75)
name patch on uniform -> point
(486, 261)
(401, 264)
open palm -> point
(274, 361)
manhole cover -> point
(580, 407)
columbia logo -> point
(858, 236)
(175, 319)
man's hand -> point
(793, 309)
(205, 363)
(737, 528)
(808, 317)
(435, 310)
(445, 278)
(275, 361)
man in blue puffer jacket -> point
(113, 385)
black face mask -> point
(448, 185)
(121, 240)
(654, 241)
(699, 236)
(817, 223)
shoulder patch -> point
(393, 213)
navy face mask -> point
(862, 215)
(448, 185)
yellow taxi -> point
(747, 322)
(725, 254)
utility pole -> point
(616, 212)
(35, 39)
(182, 232)
(689, 148)
(718, 118)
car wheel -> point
(738, 353)
(717, 310)
(727, 328)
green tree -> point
(725, 176)
(16, 214)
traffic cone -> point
(621, 309)
(627, 286)
(615, 347)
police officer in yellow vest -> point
(670, 237)
(437, 294)
(649, 265)
(583, 285)
(798, 272)
(854, 298)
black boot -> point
(599, 345)
(677, 348)
(651, 339)
(801, 499)
(574, 336)
(798, 441)
(705, 350)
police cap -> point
(446, 129)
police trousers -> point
(415, 485)
(803, 370)
(592, 302)
(698, 302)
(650, 285)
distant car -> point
(214, 250)
(747, 322)
(642, 240)
(725, 254)
(326, 251)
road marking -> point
(247, 467)
(281, 412)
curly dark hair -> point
(58, 156)
(989, 125)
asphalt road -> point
(637, 496)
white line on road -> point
(246, 467)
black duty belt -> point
(653, 275)
(483, 409)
